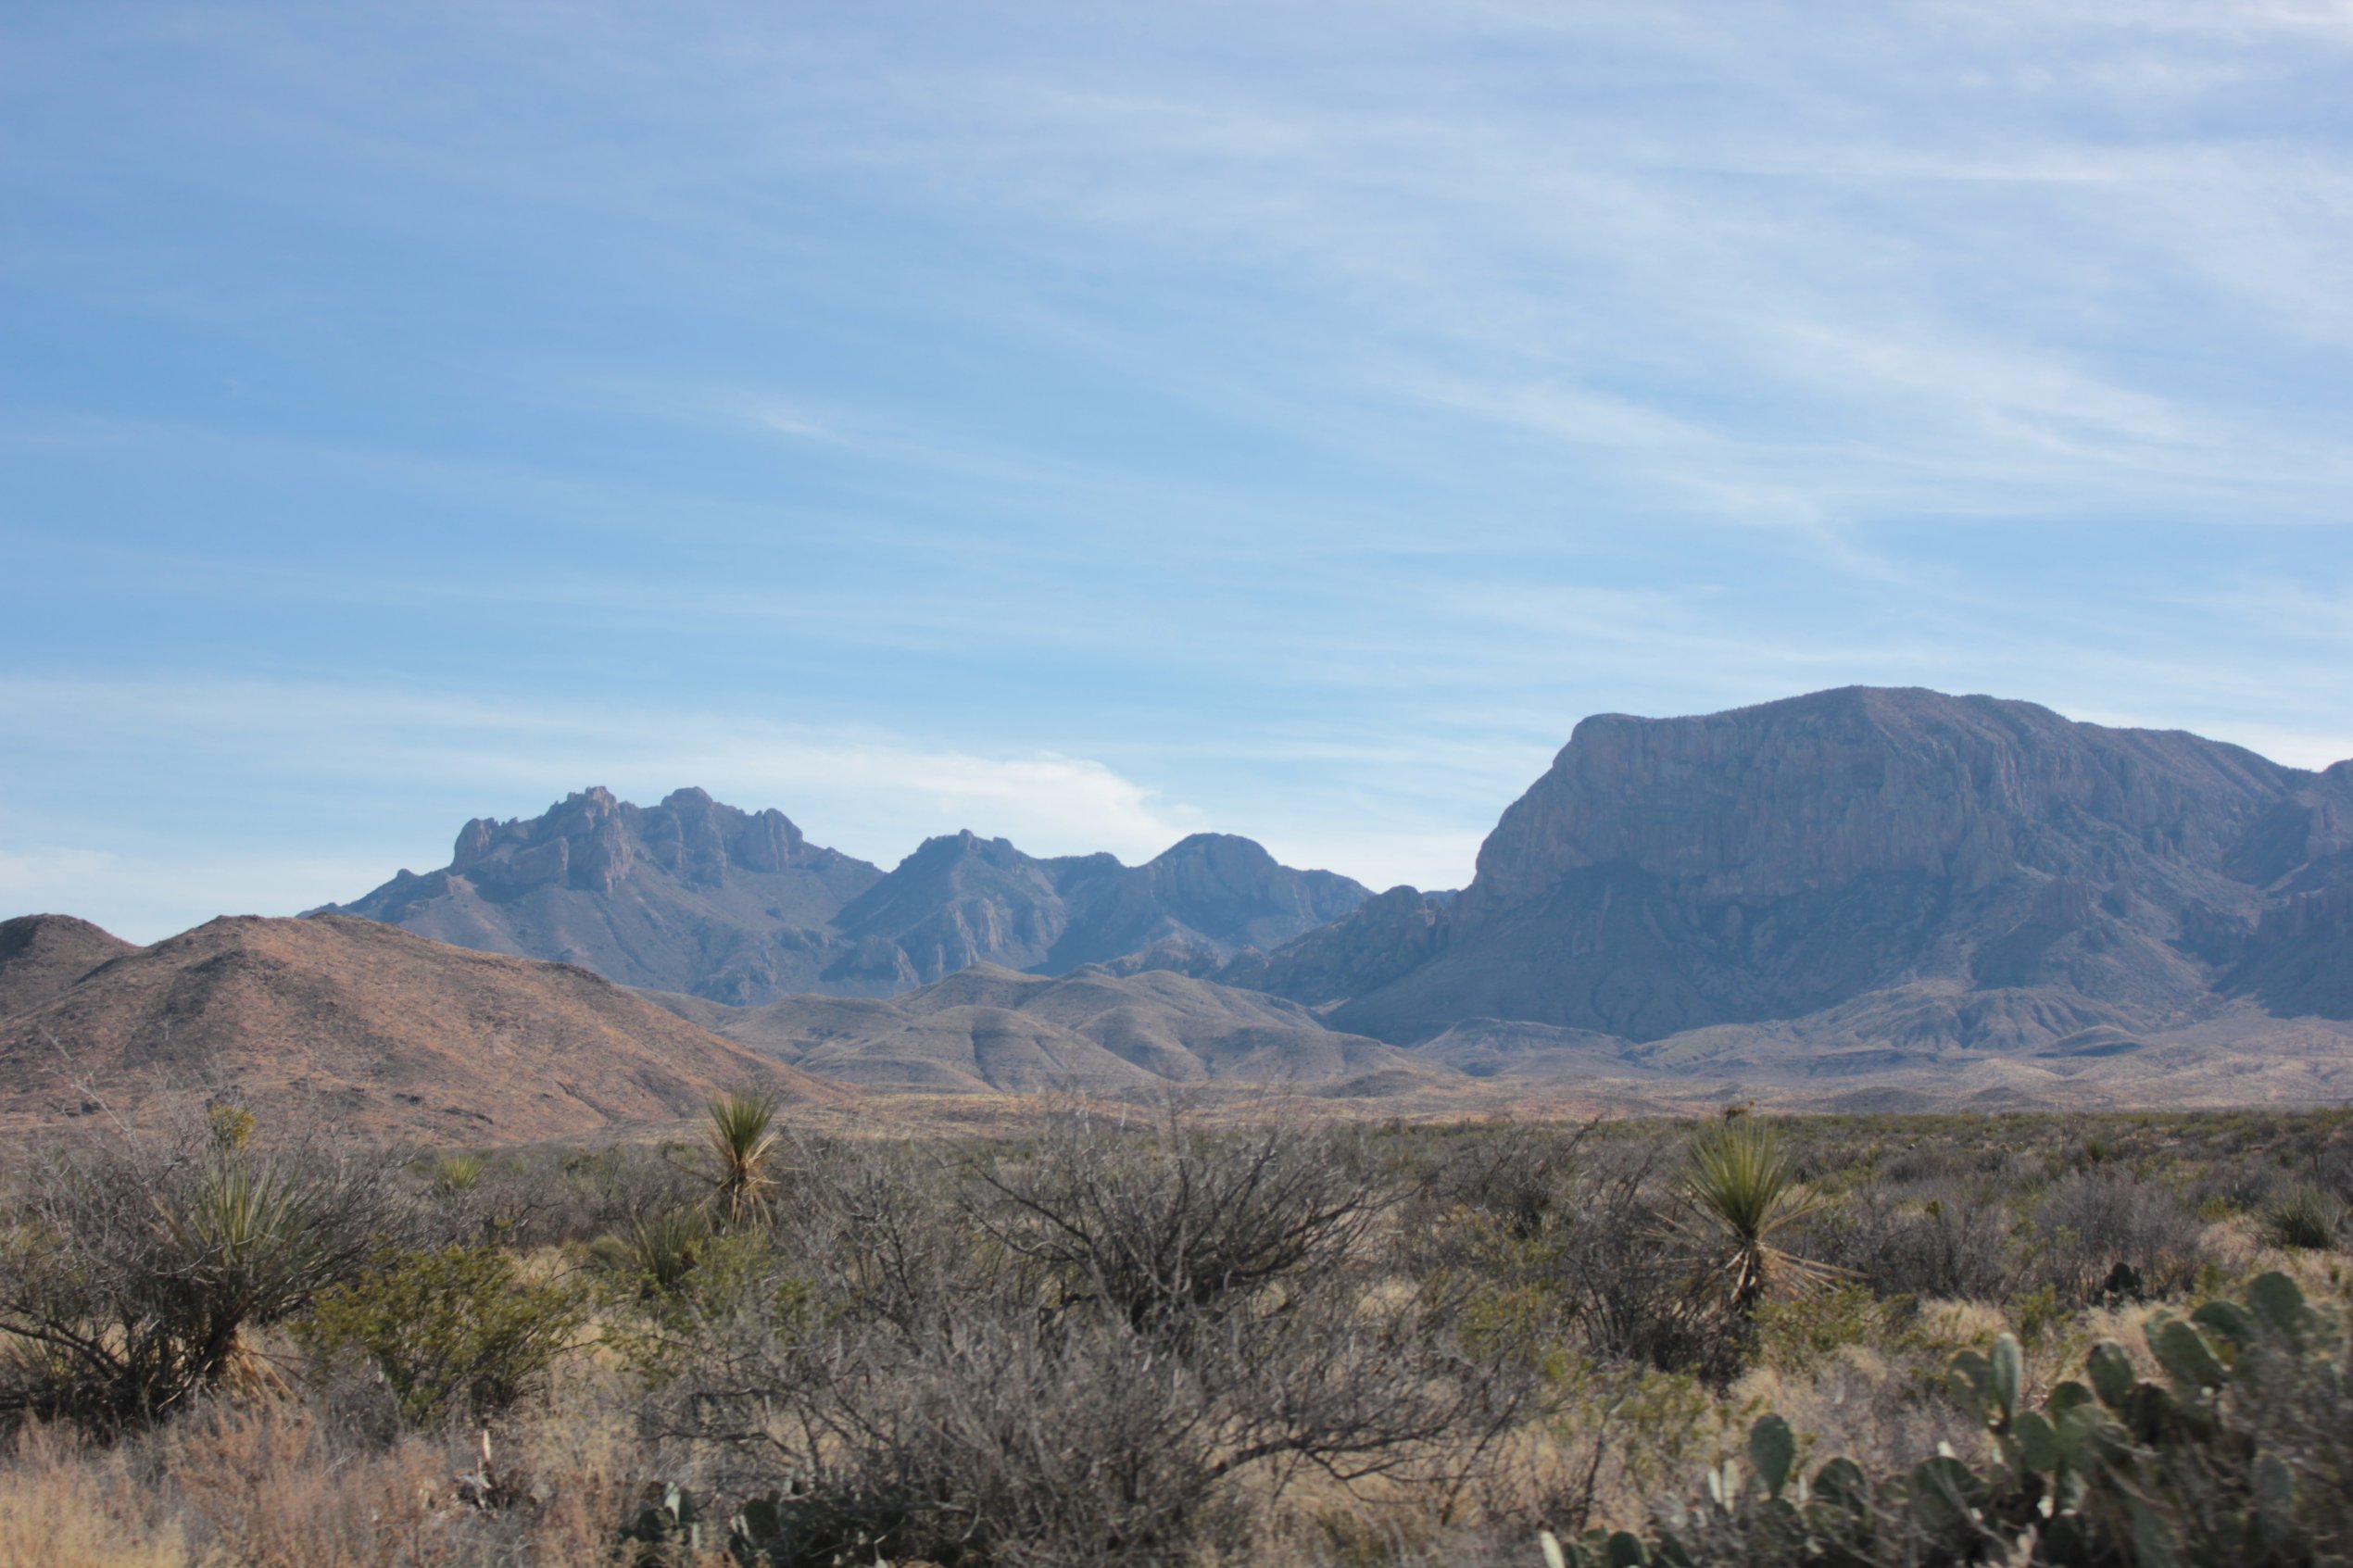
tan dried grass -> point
(62, 1507)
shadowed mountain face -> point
(695, 896)
(372, 1028)
(1772, 862)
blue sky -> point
(1091, 423)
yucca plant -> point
(454, 1173)
(741, 1136)
(657, 1249)
(1741, 1189)
(2303, 1218)
(249, 1243)
(133, 1271)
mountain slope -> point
(385, 1031)
(41, 955)
(1773, 862)
(697, 898)
(988, 1027)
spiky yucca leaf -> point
(2303, 1218)
(658, 1250)
(742, 1138)
(1742, 1189)
(250, 1243)
(457, 1173)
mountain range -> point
(692, 896)
(1866, 899)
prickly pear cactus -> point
(2109, 1471)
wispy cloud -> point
(1085, 423)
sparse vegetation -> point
(1167, 1339)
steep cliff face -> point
(698, 897)
(2299, 957)
(1775, 861)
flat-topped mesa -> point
(1771, 862)
(1816, 791)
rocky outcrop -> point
(698, 897)
(1777, 861)
(2299, 960)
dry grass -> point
(63, 1507)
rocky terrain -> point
(988, 1027)
(696, 897)
(1959, 874)
(364, 1024)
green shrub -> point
(1743, 1192)
(448, 1330)
(1798, 1334)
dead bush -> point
(1108, 1351)
(1170, 1225)
(1944, 1244)
(2102, 1231)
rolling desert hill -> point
(697, 898)
(992, 1028)
(1915, 871)
(41, 955)
(384, 1032)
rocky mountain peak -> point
(696, 895)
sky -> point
(1092, 423)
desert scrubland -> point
(1110, 1335)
